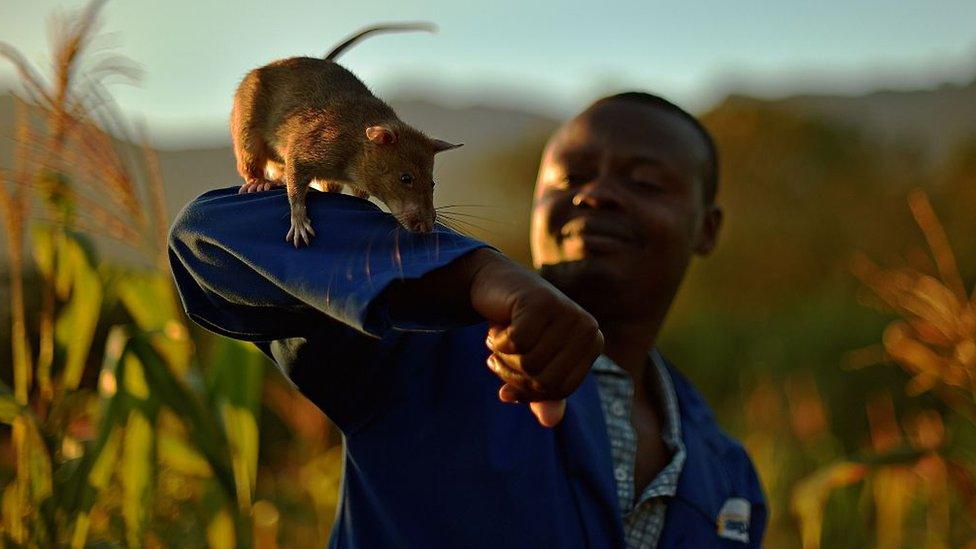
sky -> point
(550, 56)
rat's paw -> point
(259, 185)
(271, 184)
(300, 231)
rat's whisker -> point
(478, 217)
(471, 225)
(470, 206)
(451, 226)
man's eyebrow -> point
(642, 159)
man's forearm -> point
(443, 294)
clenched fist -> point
(542, 343)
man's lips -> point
(598, 233)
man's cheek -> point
(543, 243)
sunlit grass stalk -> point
(938, 242)
(157, 199)
(14, 223)
(14, 204)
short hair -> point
(710, 178)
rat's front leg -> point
(297, 181)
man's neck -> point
(627, 344)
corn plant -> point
(934, 340)
(96, 418)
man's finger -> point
(514, 339)
(508, 394)
(514, 394)
(549, 413)
(505, 373)
(539, 357)
(524, 388)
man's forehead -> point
(625, 128)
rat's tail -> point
(390, 27)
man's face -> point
(618, 207)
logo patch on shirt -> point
(733, 520)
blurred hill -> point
(932, 118)
(810, 179)
(807, 178)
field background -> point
(833, 330)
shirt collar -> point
(666, 482)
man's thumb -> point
(549, 413)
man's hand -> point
(542, 343)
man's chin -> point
(583, 280)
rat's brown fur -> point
(308, 118)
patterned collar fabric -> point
(643, 515)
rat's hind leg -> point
(275, 173)
(297, 180)
(252, 157)
(333, 186)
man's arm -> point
(542, 343)
(238, 277)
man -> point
(386, 332)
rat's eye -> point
(406, 179)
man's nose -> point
(598, 193)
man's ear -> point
(707, 235)
(440, 145)
(381, 135)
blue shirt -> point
(432, 457)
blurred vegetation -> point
(833, 331)
(117, 433)
(788, 329)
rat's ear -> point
(440, 145)
(381, 135)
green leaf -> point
(235, 379)
(13, 512)
(205, 433)
(77, 280)
(810, 497)
(33, 458)
(42, 238)
(181, 457)
(150, 300)
(242, 434)
(80, 490)
(220, 531)
(137, 475)
(9, 408)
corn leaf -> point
(176, 454)
(150, 300)
(203, 430)
(235, 378)
(810, 497)
(9, 408)
(77, 281)
(137, 475)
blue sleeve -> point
(237, 275)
